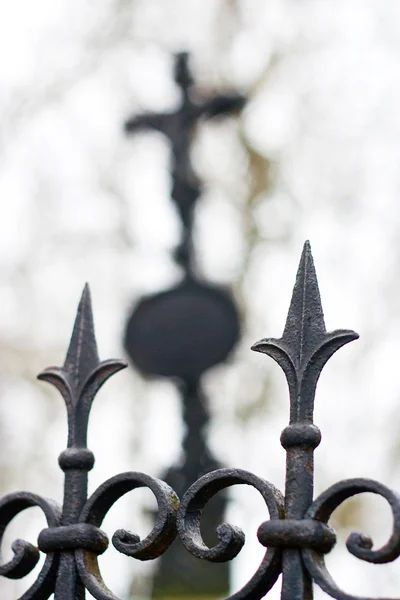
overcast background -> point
(315, 154)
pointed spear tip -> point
(84, 314)
(82, 353)
(307, 262)
(306, 255)
(305, 317)
(85, 311)
(86, 296)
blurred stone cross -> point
(179, 127)
(183, 331)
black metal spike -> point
(305, 332)
(305, 325)
(82, 355)
(305, 345)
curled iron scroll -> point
(156, 542)
(358, 544)
(231, 537)
(26, 556)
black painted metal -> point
(182, 332)
(297, 533)
(73, 539)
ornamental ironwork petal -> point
(305, 345)
(82, 374)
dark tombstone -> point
(182, 332)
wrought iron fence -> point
(297, 535)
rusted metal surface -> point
(297, 533)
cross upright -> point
(179, 127)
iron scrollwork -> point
(358, 544)
(231, 538)
(297, 534)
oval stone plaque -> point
(182, 332)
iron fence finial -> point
(305, 345)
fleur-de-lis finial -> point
(301, 352)
(82, 374)
(305, 345)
